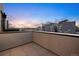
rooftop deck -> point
(30, 49)
(45, 44)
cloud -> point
(25, 23)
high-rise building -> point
(2, 18)
(1, 8)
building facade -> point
(67, 27)
(64, 26)
(51, 27)
(1, 8)
(2, 18)
(6, 24)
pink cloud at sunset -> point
(24, 24)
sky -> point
(33, 14)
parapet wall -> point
(10, 40)
(59, 43)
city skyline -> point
(30, 14)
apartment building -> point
(52, 27)
(66, 26)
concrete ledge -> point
(57, 33)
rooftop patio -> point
(30, 49)
(32, 43)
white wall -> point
(10, 40)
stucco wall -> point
(10, 40)
(61, 45)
